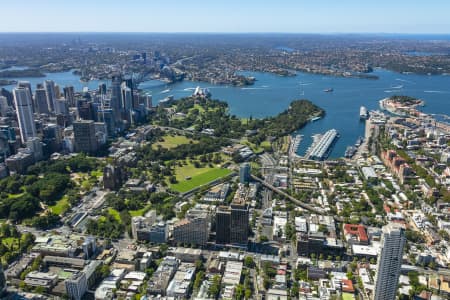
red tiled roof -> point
(347, 286)
(358, 230)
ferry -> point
(328, 90)
(363, 113)
(167, 99)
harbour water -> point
(272, 94)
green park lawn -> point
(198, 107)
(266, 145)
(255, 149)
(61, 206)
(173, 141)
(97, 173)
(347, 296)
(115, 214)
(198, 177)
(140, 212)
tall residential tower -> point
(389, 261)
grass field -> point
(97, 173)
(199, 177)
(266, 145)
(173, 141)
(347, 296)
(140, 212)
(255, 149)
(199, 107)
(115, 214)
(61, 206)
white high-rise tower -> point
(24, 110)
(389, 261)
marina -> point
(293, 146)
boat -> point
(167, 99)
(400, 86)
(328, 90)
(165, 91)
(350, 151)
(363, 113)
(315, 119)
(359, 141)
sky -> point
(290, 16)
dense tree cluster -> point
(13, 243)
(214, 115)
(78, 163)
(106, 226)
(50, 188)
(45, 182)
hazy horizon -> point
(232, 16)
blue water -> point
(61, 78)
(272, 94)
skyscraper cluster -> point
(37, 122)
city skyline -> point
(228, 17)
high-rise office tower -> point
(116, 97)
(4, 106)
(40, 101)
(102, 88)
(223, 221)
(69, 95)
(61, 107)
(389, 261)
(57, 91)
(35, 145)
(85, 139)
(50, 93)
(107, 116)
(244, 173)
(239, 221)
(149, 102)
(24, 110)
(127, 97)
(9, 96)
(85, 109)
(27, 85)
